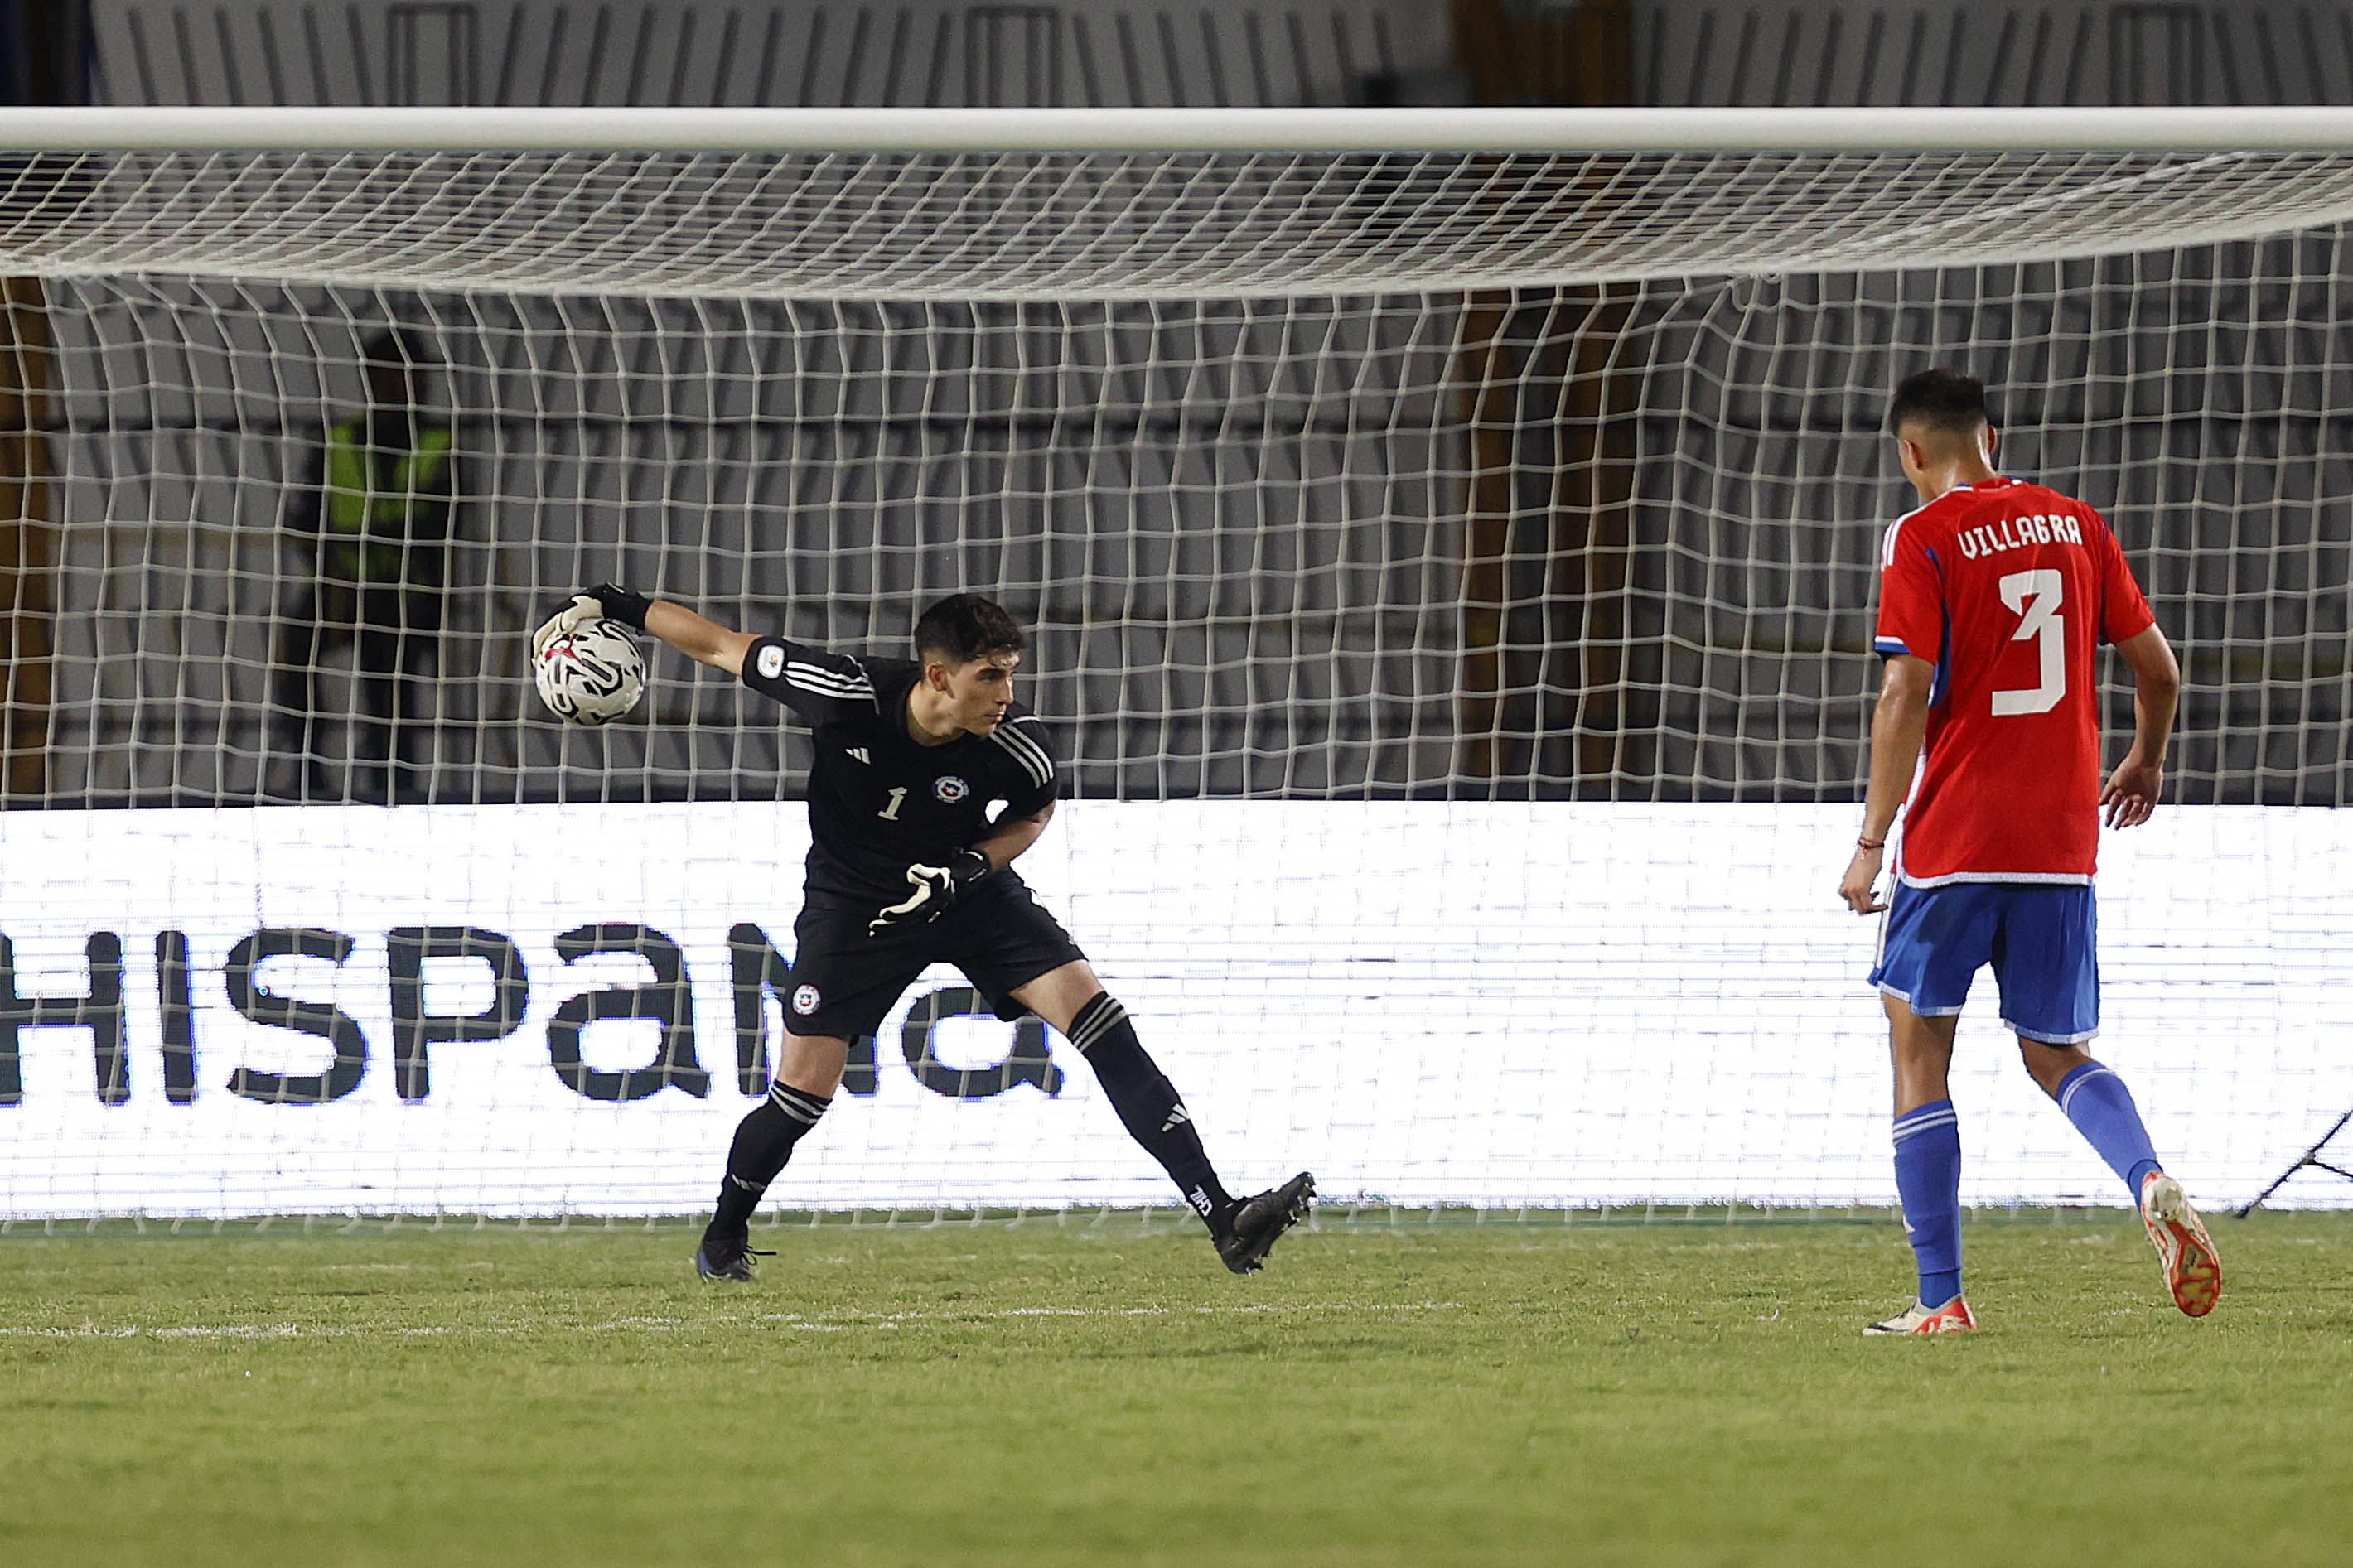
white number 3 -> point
(2036, 596)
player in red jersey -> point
(1994, 598)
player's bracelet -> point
(1870, 843)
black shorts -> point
(845, 980)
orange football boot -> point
(2192, 1272)
(1953, 1318)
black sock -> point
(764, 1142)
(1147, 1102)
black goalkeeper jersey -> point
(879, 800)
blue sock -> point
(1928, 1180)
(2096, 1100)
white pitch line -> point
(791, 1322)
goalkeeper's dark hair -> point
(1942, 400)
(964, 627)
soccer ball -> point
(592, 673)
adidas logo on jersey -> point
(860, 753)
(1176, 1118)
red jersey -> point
(2008, 589)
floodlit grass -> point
(1048, 1394)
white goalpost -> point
(1448, 540)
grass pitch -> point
(1050, 1394)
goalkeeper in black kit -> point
(907, 868)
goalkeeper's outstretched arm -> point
(704, 641)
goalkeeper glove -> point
(608, 601)
(935, 888)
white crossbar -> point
(2270, 130)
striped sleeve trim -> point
(1891, 645)
(1034, 759)
(824, 682)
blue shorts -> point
(2041, 940)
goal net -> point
(1450, 577)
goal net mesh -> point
(1449, 580)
